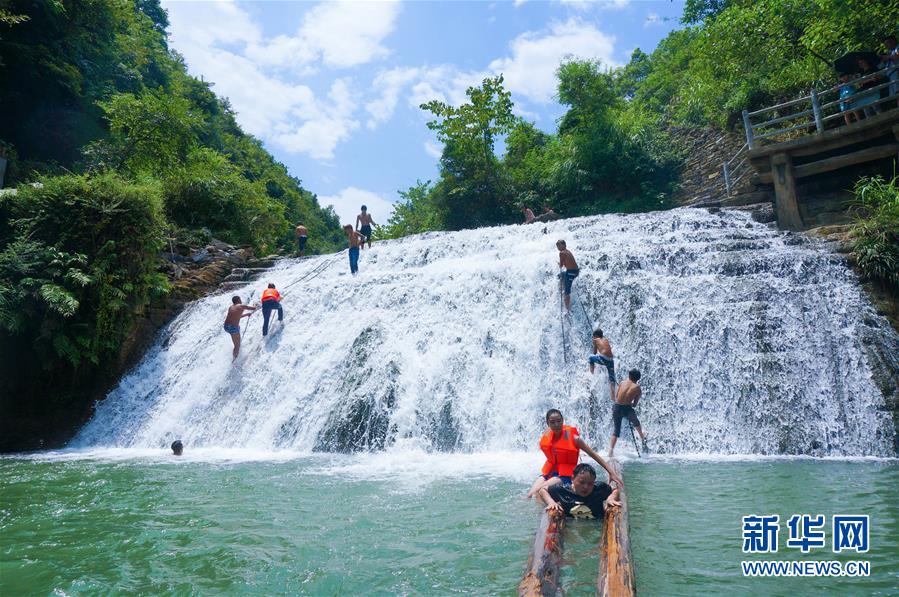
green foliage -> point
(416, 212)
(208, 191)
(876, 231)
(81, 260)
(747, 54)
(472, 186)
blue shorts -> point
(599, 359)
(568, 277)
(232, 329)
(565, 480)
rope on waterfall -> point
(562, 323)
(315, 271)
(247, 324)
(634, 437)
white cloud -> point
(434, 149)
(348, 201)
(330, 124)
(531, 69)
(388, 84)
(221, 42)
(340, 34)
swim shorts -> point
(366, 232)
(568, 276)
(302, 242)
(620, 411)
(232, 329)
(599, 359)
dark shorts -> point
(366, 232)
(302, 243)
(599, 359)
(565, 480)
(568, 277)
(231, 329)
(620, 411)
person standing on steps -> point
(302, 237)
(356, 240)
(365, 220)
(602, 355)
(561, 444)
(629, 394)
(232, 322)
(569, 272)
(271, 300)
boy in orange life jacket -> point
(271, 300)
(561, 445)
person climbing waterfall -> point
(302, 237)
(602, 355)
(177, 447)
(585, 498)
(561, 444)
(629, 394)
(356, 240)
(271, 300)
(236, 311)
(569, 271)
(365, 220)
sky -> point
(333, 89)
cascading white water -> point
(750, 340)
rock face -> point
(193, 273)
(706, 149)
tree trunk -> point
(616, 565)
(542, 574)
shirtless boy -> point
(232, 322)
(365, 220)
(629, 394)
(302, 237)
(571, 271)
(602, 355)
(356, 240)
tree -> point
(470, 172)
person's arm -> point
(546, 484)
(580, 443)
(357, 222)
(612, 500)
(551, 504)
(637, 397)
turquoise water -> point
(324, 525)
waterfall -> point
(750, 341)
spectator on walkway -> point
(866, 99)
(847, 106)
(891, 60)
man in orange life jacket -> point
(561, 445)
(271, 299)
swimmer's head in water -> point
(177, 447)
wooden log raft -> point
(616, 565)
(542, 574)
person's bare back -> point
(566, 259)
(602, 346)
(235, 312)
(628, 393)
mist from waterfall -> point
(750, 341)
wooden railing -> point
(810, 114)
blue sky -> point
(332, 88)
